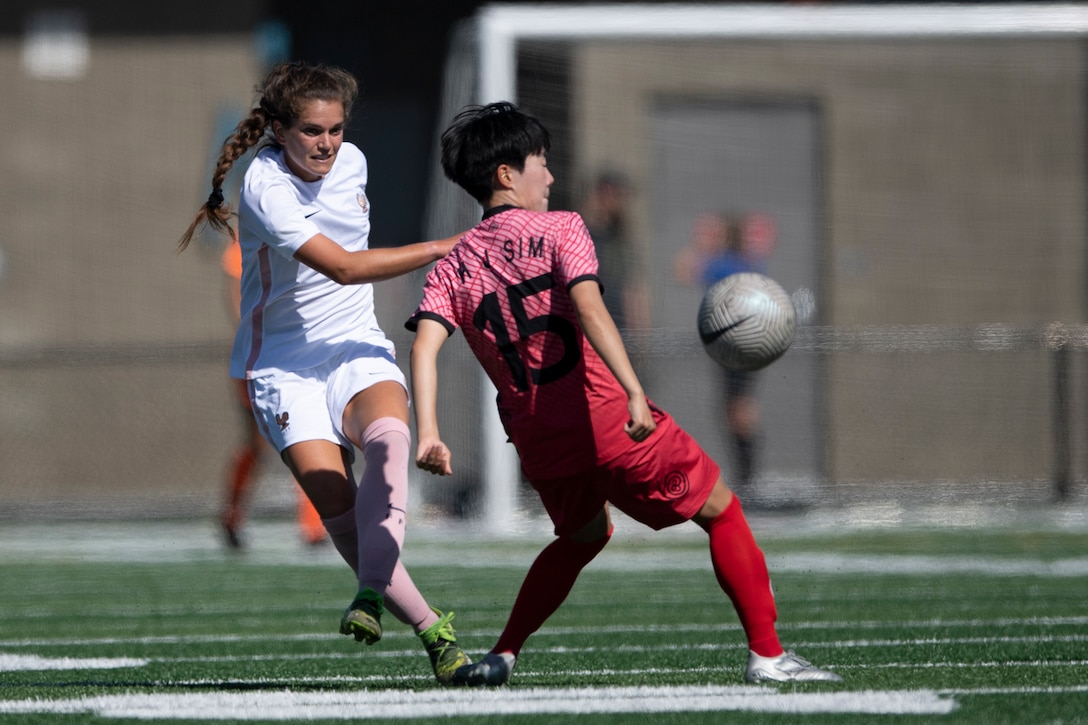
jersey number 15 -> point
(490, 313)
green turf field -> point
(110, 622)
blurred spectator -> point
(721, 245)
(621, 272)
(242, 473)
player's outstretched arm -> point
(432, 454)
(370, 265)
(600, 329)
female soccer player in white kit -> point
(322, 376)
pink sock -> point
(381, 515)
(345, 537)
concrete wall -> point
(954, 191)
(955, 195)
(113, 346)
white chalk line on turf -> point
(398, 704)
(602, 629)
(460, 547)
(16, 663)
(411, 651)
(11, 663)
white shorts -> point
(306, 405)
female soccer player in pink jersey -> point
(523, 286)
(322, 376)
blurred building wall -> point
(112, 346)
(955, 187)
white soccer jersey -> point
(293, 317)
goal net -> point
(913, 175)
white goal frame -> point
(499, 29)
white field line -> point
(276, 704)
(1065, 690)
(637, 629)
(276, 544)
(16, 662)
(399, 704)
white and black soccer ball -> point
(746, 321)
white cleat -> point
(786, 667)
(492, 671)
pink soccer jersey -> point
(506, 285)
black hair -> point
(482, 138)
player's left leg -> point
(742, 573)
(740, 568)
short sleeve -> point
(275, 215)
(437, 302)
(577, 257)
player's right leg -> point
(239, 480)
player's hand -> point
(642, 422)
(445, 245)
(433, 456)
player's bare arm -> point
(432, 455)
(370, 265)
(601, 331)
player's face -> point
(311, 144)
(534, 183)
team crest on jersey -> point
(676, 484)
(363, 203)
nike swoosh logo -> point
(707, 339)
(312, 213)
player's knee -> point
(598, 530)
(719, 500)
(386, 439)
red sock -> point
(742, 574)
(549, 581)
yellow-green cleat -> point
(441, 644)
(363, 618)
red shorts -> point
(660, 482)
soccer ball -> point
(746, 321)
